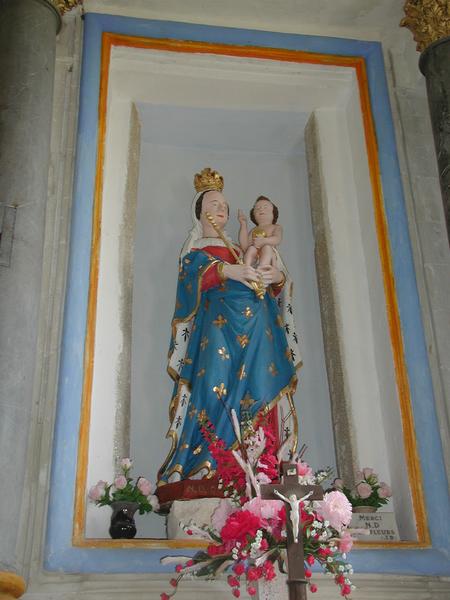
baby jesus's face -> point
(263, 212)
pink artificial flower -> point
(262, 478)
(144, 486)
(120, 482)
(303, 469)
(367, 472)
(97, 491)
(154, 502)
(384, 490)
(345, 542)
(336, 509)
(264, 509)
(221, 514)
(359, 476)
(364, 490)
(338, 484)
(126, 464)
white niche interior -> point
(246, 118)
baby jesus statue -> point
(259, 243)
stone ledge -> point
(149, 587)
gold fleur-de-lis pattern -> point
(247, 312)
(220, 390)
(223, 353)
(243, 340)
(272, 369)
(220, 321)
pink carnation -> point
(264, 509)
(303, 469)
(384, 490)
(336, 509)
(120, 482)
(144, 486)
(364, 490)
(345, 542)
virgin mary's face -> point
(215, 204)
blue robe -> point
(235, 353)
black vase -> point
(122, 520)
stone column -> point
(435, 65)
(429, 21)
(28, 31)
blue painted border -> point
(59, 553)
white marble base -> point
(184, 511)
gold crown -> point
(208, 180)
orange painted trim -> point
(83, 438)
(411, 453)
(401, 373)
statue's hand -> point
(270, 274)
(242, 273)
(241, 217)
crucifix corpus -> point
(292, 493)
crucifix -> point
(292, 492)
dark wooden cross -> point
(295, 554)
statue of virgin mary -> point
(229, 349)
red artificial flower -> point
(308, 573)
(178, 568)
(165, 596)
(251, 591)
(269, 571)
(340, 580)
(346, 590)
(254, 573)
(310, 559)
(173, 582)
(232, 581)
(238, 525)
(313, 588)
(264, 545)
(236, 593)
(239, 568)
(190, 563)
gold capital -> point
(63, 6)
(11, 585)
(428, 21)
